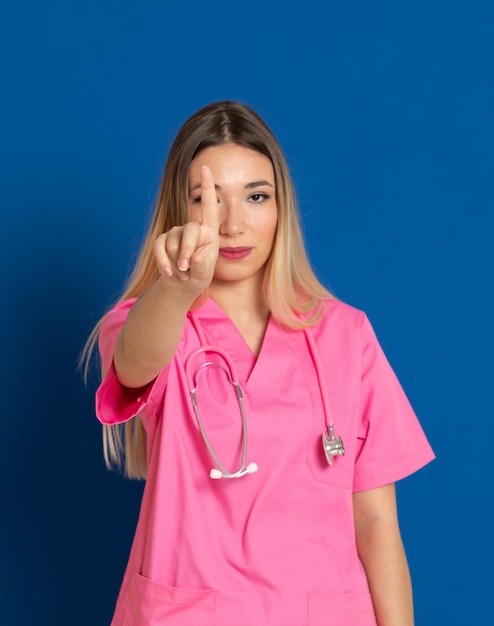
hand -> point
(189, 253)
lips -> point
(235, 253)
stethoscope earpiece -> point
(251, 468)
(215, 473)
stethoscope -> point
(332, 446)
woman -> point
(294, 530)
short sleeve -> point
(392, 442)
(114, 402)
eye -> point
(258, 197)
(196, 200)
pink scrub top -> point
(276, 547)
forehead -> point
(232, 163)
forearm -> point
(151, 334)
(384, 560)
(382, 554)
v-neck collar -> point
(270, 368)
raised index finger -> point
(209, 203)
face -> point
(246, 192)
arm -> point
(381, 551)
(186, 257)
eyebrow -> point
(258, 183)
(252, 185)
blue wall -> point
(385, 111)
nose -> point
(231, 219)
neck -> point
(245, 306)
(239, 299)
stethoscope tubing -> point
(332, 445)
(232, 376)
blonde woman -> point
(260, 409)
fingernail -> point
(183, 265)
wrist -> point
(182, 293)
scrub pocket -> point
(153, 604)
(340, 473)
(335, 609)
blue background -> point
(385, 112)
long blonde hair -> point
(293, 293)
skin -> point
(381, 551)
(155, 323)
(232, 203)
(247, 212)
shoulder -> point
(346, 328)
(338, 314)
(118, 313)
(112, 323)
(122, 308)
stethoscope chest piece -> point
(332, 446)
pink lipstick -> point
(235, 253)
